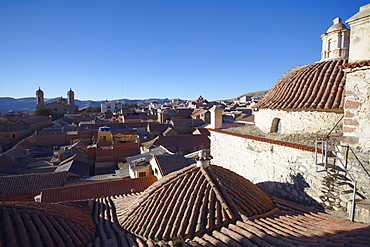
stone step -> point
(332, 166)
(342, 177)
(362, 210)
(344, 183)
(347, 192)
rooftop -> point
(252, 131)
(192, 201)
(315, 86)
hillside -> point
(252, 94)
(28, 104)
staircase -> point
(338, 183)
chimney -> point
(216, 116)
(203, 160)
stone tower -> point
(71, 97)
(335, 42)
(39, 99)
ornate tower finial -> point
(335, 42)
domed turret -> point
(335, 42)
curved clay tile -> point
(43, 224)
(315, 86)
(194, 201)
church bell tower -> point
(71, 97)
(39, 99)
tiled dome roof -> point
(315, 86)
(43, 224)
(61, 100)
(193, 201)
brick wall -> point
(356, 128)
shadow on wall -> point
(293, 192)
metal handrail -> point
(354, 154)
(324, 150)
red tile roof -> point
(4, 141)
(315, 86)
(245, 119)
(6, 127)
(97, 189)
(35, 120)
(168, 163)
(355, 64)
(193, 201)
(31, 184)
(40, 224)
(201, 131)
(180, 142)
(6, 162)
(232, 125)
(262, 139)
(291, 225)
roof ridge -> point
(221, 194)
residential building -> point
(164, 164)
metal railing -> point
(324, 147)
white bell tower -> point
(335, 42)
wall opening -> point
(275, 126)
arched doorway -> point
(276, 125)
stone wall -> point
(356, 129)
(284, 169)
(297, 122)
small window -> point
(155, 171)
(142, 174)
(13, 135)
(276, 125)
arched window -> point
(276, 125)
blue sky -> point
(138, 49)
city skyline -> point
(158, 49)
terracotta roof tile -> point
(96, 189)
(39, 224)
(180, 142)
(193, 201)
(355, 64)
(315, 86)
(292, 226)
(30, 184)
(6, 162)
(168, 163)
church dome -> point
(61, 100)
(315, 86)
(193, 201)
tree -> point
(130, 105)
(45, 112)
(93, 109)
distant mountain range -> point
(29, 104)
